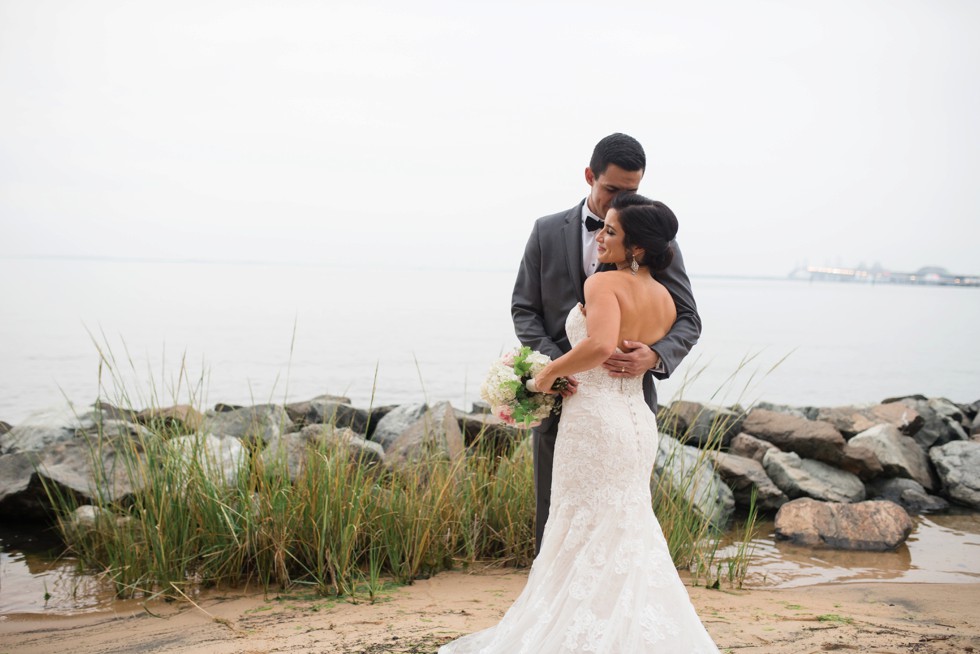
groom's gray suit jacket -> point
(551, 281)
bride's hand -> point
(545, 381)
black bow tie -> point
(592, 224)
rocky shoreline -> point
(839, 477)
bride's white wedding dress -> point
(604, 581)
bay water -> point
(249, 333)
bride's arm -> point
(602, 323)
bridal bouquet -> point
(505, 388)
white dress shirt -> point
(589, 245)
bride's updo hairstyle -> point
(647, 224)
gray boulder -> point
(43, 428)
(21, 493)
(255, 425)
(941, 421)
(900, 456)
(324, 411)
(395, 422)
(297, 411)
(219, 457)
(293, 449)
(870, 526)
(5, 427)
(88, 456)
(975, 425)
(750, 447)
(806, 477)
(958, 465)
(178, 419)
(809, 413)
(743, 476)
(811, 439)
(92, 471)
(852, 420)
(436, 434)
(487, 428)
(687, 469)
(907, 493)
(702, 425)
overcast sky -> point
(433, 133)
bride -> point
(604, 581)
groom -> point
(560, 254)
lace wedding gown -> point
(603, 581)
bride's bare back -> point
(645, 308)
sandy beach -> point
(882, 618)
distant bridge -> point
(930, 276)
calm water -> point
(246, 333)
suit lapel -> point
(572, 235)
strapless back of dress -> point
(603, 581)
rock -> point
(750, 447)
(297, 411)
(293, 449)
(975, 426)
(900, 456)
(702, 425)
(323, 411)
(811, 439)
(44, 428)
(94, 471)
(75, 455)
(940, 421)
(789, 410)
(86, 517)
(876, 526)
(945, 408)
(435, 434)
(18, 497)
(395, 422)
(907, 493)
(177, 419)
(852, 420)
(5, 427)
(256, 424)
(958, 465)
(687, 469)
(219, 457)
(798, 477)
(743, 476)
(488, 428)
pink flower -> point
(504, 412)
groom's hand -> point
(633, 362)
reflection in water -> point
(34, 578)
(941, 549)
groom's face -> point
(605, 187)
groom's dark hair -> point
(620, 149)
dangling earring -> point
(634, 266)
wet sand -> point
(881, 618)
